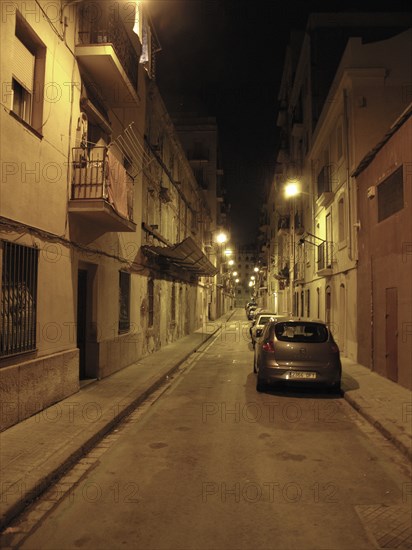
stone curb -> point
(386, 431)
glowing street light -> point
(252, 278)
(231, 262)
(292, 189)
(235, 274)
(228, 252)
(255, 269)
(237, 280)
(251, 283)
(221, 238)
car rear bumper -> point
(329, 376)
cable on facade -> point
(18, 227)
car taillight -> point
(334, 348)
(269, 346)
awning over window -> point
(185, 255)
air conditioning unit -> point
(371, 192)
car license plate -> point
(302, 374)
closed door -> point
(82, 320)
(391, 334)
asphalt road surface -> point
(212, 464)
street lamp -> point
(292, 190)
(221, 238)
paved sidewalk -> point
(39, 450)
(385, 404)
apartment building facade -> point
(87, 202)
(332, 112)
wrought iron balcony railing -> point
(325, 255)
(110, 30)
(95, 176)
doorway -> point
(86, 321)
(391, 334)
(82, 320)
(342, 318)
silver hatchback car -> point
(297, 351)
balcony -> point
(102, 191)
(325, 259)
(109, 55)
(299, 272)
(324, 185)
(283, 225)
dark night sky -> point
(227, 55)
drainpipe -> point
(348, 176)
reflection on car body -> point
(297, 351)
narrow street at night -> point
(212, 464)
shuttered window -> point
(23, 65)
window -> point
(29, 55)
(341, 217)
(390, 195)
(124, 301)
(150, 297)
(297, 331)
(339, 142)
(307, 303)
(18, 299)
(22, 100)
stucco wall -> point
(385, 260)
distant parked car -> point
(297, 351)
(261, 319)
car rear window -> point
(301, 332)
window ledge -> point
(26, 125)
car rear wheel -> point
(336, 387)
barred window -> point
(18, 299)
(124, 301)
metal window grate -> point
(18, 299)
